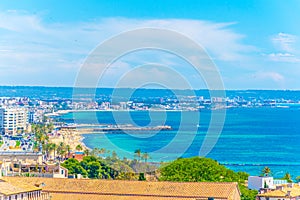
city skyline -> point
(255, 45)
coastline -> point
(75, 136)
(69, 137)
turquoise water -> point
(251, 137)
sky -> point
(253, 44)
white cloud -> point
(27, 42)
(263, 75)
(19, 22)
(285, 49)
(283, 57)
(284, 42)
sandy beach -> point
(69, 137)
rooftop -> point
(294, 192)
(10, 188)
(117, 189)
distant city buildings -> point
(38, 107)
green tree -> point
(95, 152)
(266, 171)
(47, 149)
(198, 169)
(126, 176)
(142, 177)
(74, 167)
(50, 127)
(243, 176)
(145, 156)
(288, 177)
(53, 148)
(86, 152)
(102, 151)
(78, 147)
(246, 193)
(61, 150)
(96, 168)
(138, 153)
(298, 179)
(68, 149)
(93, 169)
(114, 156)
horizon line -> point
(46, 86)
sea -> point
(251, 138)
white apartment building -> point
(13, 120)
(258, 182)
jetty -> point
(114, 128)
(153, 128)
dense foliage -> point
(198, 169)
(90, 167)
(106, 168)
(194, 169)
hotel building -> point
(13, 120)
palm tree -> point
(50, 127)
(95, 152)
(86, 152)
(138, 154)
(102, 151)
(288, 177)
(266, 171)
(53, 148)
(145, 156)
(78, 147)
(47, 149)
(68, 148)
(114, 155)
(61, 149)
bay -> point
(251, 138)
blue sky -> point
(254, 44)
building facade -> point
(258, 182)
(17, 191)
(289, 191)
(13, 120)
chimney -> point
(279, 187)
(288, 193)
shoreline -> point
(74, 137)
(69, 137)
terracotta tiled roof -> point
(56, 196)
(15, 188)
(294, 192)
(156, 190)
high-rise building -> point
(13, 120)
